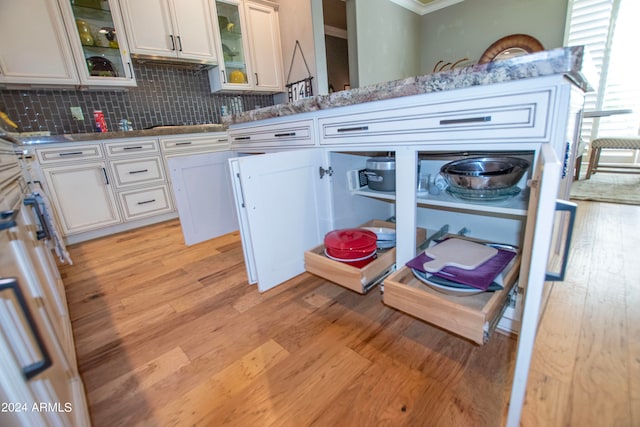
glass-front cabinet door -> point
(233, 70)
(97, 37)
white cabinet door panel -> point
(536, 252)
(194, 29)
(202, 187)
(287, 206)
(34, 47)
(149, 26)
(264, 38)
(83, 197)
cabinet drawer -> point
(137, 171)
(523, 116)
(119, 149)
(473, 317)
(298, 133)
(145, 202)
(357, 279)
(211, 142)
(69, 153)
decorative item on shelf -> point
(442, 66)
(101, 67)
(101, 124)
(85, 33)
(237, 77)
(110, 34)
(510, 47)
(302, 88)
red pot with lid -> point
(353, 246)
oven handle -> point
(43, 232)
(29, 371)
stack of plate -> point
(385, 237)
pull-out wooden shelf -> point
(357, 279)
(473, 317)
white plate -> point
(444, 289)
(349, 260)
(383, 233)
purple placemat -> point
(480, 277)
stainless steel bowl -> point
(484, 173)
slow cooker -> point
(381, 173)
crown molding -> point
(418, 7)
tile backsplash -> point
(165, 95)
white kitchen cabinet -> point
(102, 58)
(39, 380)
(35, 48)
(310, 190)
(250, 46)
(172, 29)
(79, 43)
(82, 196)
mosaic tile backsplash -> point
(165, 95)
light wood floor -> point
(173, 336)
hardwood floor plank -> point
(221, 389)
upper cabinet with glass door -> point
(233, 70)
(249, 46)
(99, 43)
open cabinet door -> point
(284, 209)
(202, 189)
(537, 249)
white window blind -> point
(610, 31)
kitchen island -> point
(529, 107)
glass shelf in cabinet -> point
(85, 12)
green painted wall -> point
(388, 37)
(466, 29)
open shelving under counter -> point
(515, 205)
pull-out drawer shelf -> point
(357, 279)
(473, 317)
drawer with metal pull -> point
(70, 153)
(145, 202)
(137, 171)
(131, 148)
(294, 133)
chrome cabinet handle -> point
(183, 143)
(70, 153)
(179, 43)
(147, 201)
(173, 43)
(140, 171)
(572, 208)
(241, 138)
(137, 147)
(257, 83)
(466, 120)
(280, 135)
(224, 76)
(29, 371)
(353, 129)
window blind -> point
(608, 29)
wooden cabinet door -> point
(149, 28)
(194, 30)
(83, 196)
(34, 47)
(266, 52)
(288, 210)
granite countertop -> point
(567, 61)
(101, 136)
